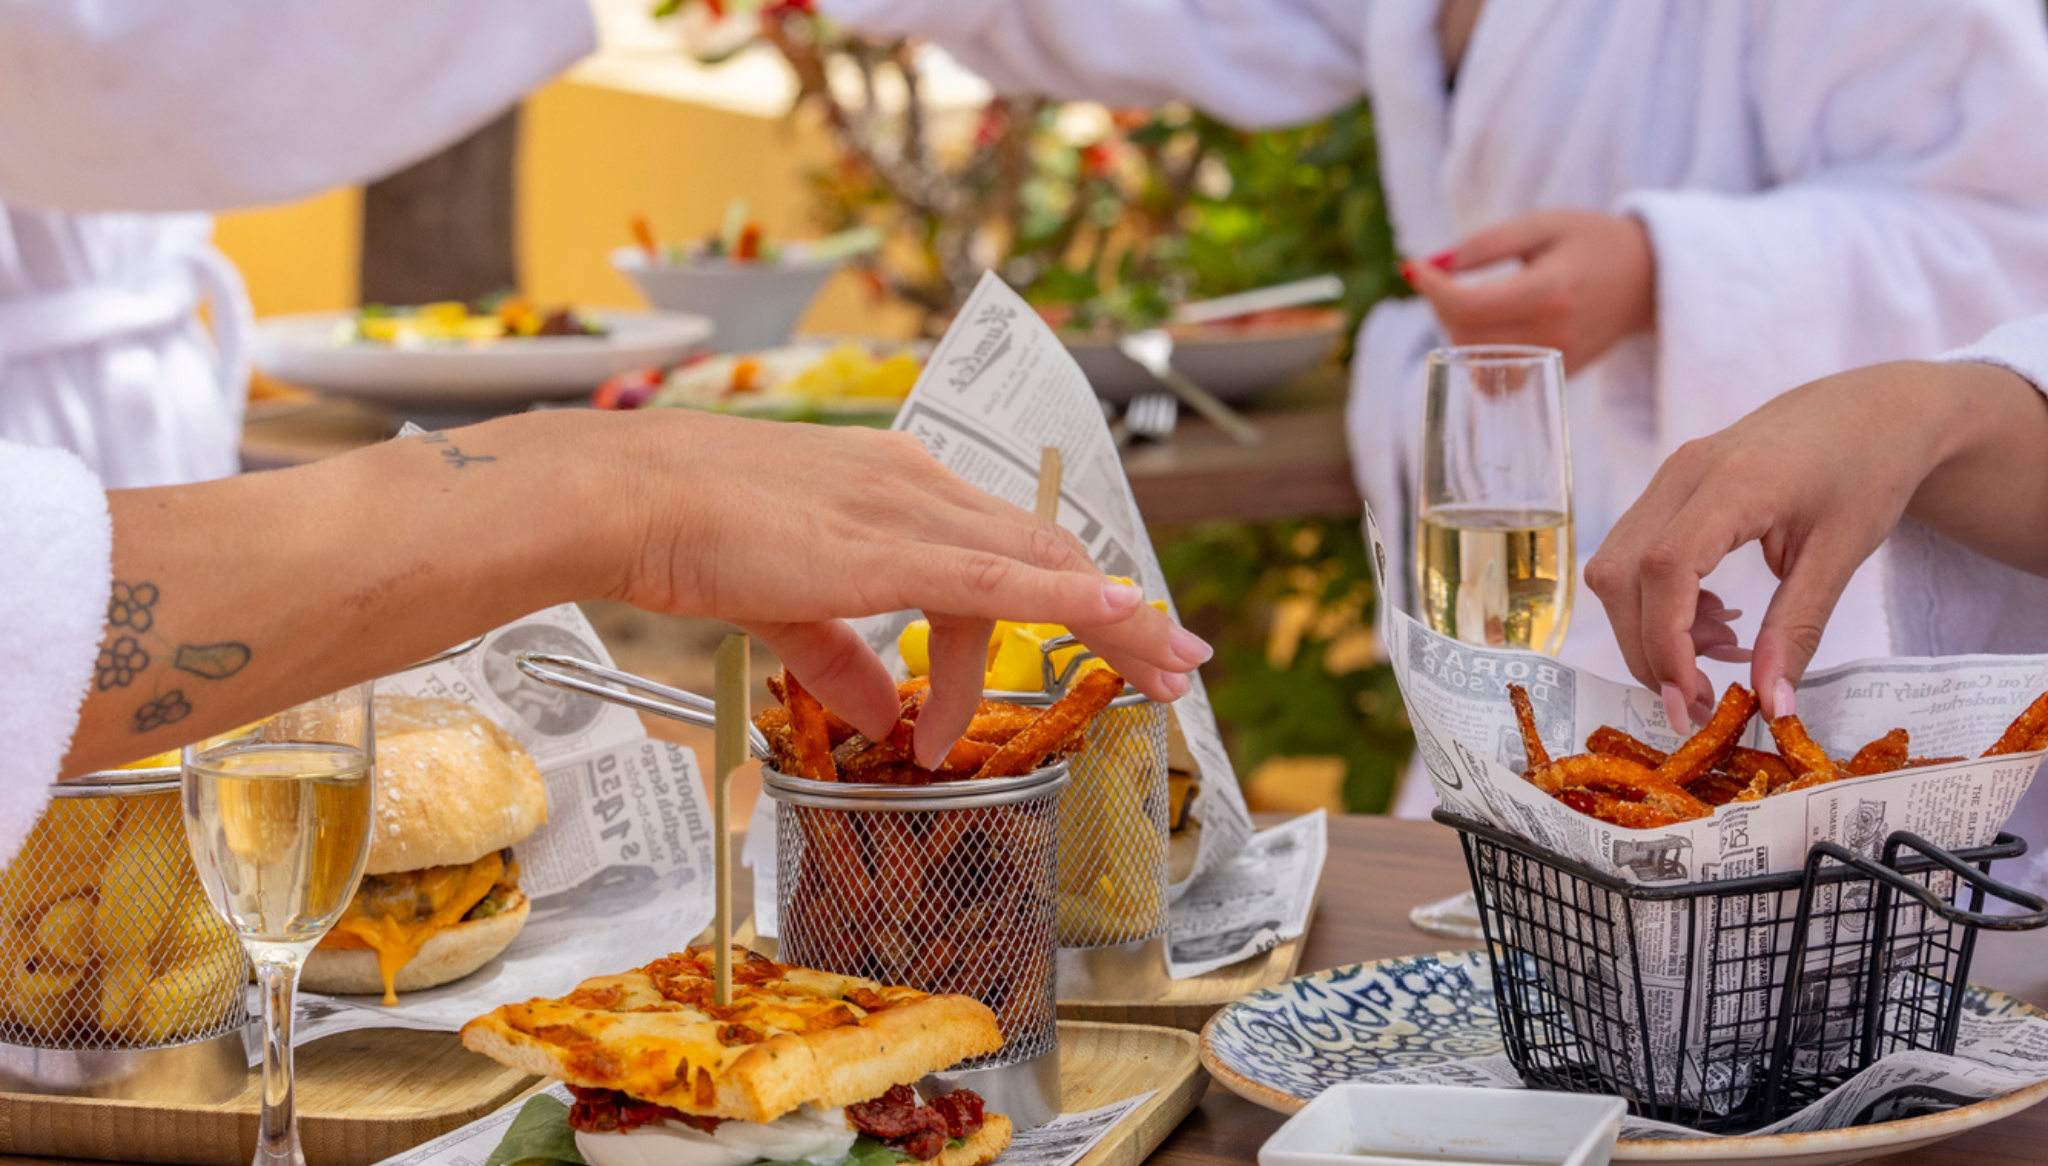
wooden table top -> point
(1405, 863)
(1301, 470)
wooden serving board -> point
(1131, 987)
(1101, 1064)
(362, 1097)
(365, 1096)
(1137, 991)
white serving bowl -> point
(750, 305)
(1357, 1124)
(1236, 366)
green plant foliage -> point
(1181, 205)
(1237, 584)
(1298, 202)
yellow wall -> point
(300, 257)
(590, 159)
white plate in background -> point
(304, 350)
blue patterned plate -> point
(1282, 1046)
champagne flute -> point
(278, 818)
(1494, 563)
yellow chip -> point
(121, 988)
(1018, 664)
(148, 851)
(915, 646)
(65, 933)
(184, 999)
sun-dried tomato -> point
(903, 1123)
(962, 1112)
(604, 1111)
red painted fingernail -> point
(1407, 270)
(1442, 260)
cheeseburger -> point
(440, 893)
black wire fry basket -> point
(1727, 1005)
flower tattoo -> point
(168, 709)
(131, 606)
(120, 662)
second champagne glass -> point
(278, 817)
(1494, 562)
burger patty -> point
(414, 896)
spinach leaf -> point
(538, 1136)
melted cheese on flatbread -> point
(790, 1035)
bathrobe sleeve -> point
(1255, 65)
(1905, 196)
(54, 581)
(157, 105)
(1944, 599)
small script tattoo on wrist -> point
(124, 659)
(452, 454)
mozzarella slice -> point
(820, 1137)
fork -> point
(1152, 350)
(1149, 417)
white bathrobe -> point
(1826, 183)
(1945, 599)
(169, 106)
(195, 105)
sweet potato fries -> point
(1004, 740)
(1627, 782)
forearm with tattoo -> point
(136, 654)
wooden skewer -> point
(1049, 470)
(730, 751)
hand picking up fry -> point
(1627, 782)
(1003, 740)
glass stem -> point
(277, 1133)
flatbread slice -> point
(790, 1036)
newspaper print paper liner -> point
(997, 389)
(1456, 695)
(618, 875)
(1281, 1047)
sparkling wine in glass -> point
(1494, 563)
(278, 818)
(1494, 560)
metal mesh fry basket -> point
(1727, 1005)
(945, 888)
(110, 942)
(1113, 825)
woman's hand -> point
(294, 583)
(1587, 280)
(795, 526)
(1819, 476)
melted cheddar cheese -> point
(395, 915)
(658, 1032)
